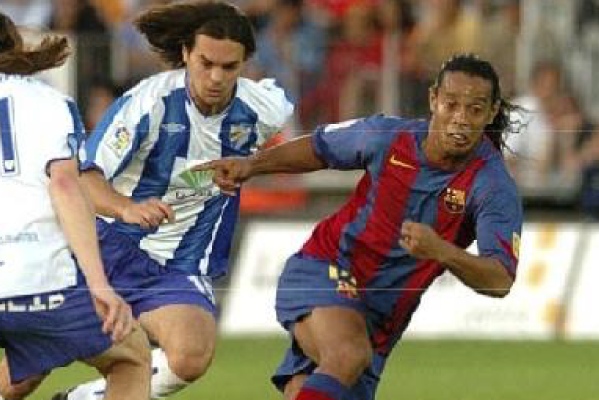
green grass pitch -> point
(417, 370)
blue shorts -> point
(304, 284)
(46, 331)
(144, 283)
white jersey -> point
(147, 138)
(37, 125)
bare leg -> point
(16, 391)
(187, 335)
(336, 338)
(126, 367)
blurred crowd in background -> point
(341, 59)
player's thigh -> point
(133, 350)
(181, 328)
(329, 328)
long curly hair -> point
(502, 125)
(170, 27)
(16, 58)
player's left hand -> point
(115, 313)
(421, 241)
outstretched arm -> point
(485, 275)
(77, 221)
(295, 156)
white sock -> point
(93, 390)
(164, 382)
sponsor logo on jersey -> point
(172, 128)
(34, 303)
(21, 237)
(120, 141)
(400, 163)
(455, 200)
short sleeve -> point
(351, 144)
(116, 137)
(499, 219)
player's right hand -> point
(229, 173)
(148, 214)
(115, 313)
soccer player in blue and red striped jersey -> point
(430, 188)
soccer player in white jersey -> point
(56, 304)
(169, 238)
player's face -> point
(213, 66)
(461, 107)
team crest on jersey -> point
(120, 141)
(346, 283)
(455, 200)
(239, 134)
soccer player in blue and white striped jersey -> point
(168, 235)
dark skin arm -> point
(295, 156)
(483, 274)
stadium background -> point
(346, 58)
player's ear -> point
(185, 54)
(432, 98)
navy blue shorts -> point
(304, 284)
(144, 283)
(46, 331)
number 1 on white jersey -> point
(9, 165)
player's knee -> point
(348, 358)
(190, 365)
(20, 390)
(133, 353)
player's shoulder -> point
(268, 87)
(31, 93)
(398, 124)
(384, 125)
(494, 176)
(155, 87)
(263, 95)
(28, 86)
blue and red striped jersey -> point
(479, 202)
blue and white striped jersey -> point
(37, 125)
(145, 141)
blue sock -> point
(322, 387)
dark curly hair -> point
(170, 27)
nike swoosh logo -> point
(399, 163)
